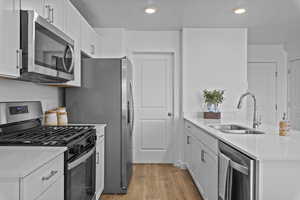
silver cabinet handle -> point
(52, 15)
(98, 158)
(188, 139)
(203, 155)
(93, 49)
(19, 59)
(52, 173)
(101, 136)
(48, 13)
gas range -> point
(44, 135)
(21, 125)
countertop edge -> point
(260, 158)
(56, 152)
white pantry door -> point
(262, 81)
(153, 107)
(294, 94)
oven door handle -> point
(240, 168)
(81, 159)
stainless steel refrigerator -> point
(106, 97)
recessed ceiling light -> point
(150, 10)
(240, 11)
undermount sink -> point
(235, 129)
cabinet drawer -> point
(203, 136)
(209, 141)
(189, 126)
(55, 191)
(37, 182)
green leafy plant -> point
(213, 96)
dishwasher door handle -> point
(240, 168)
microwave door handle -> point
(81, 159)
(240, 168)
(73, 59)
(64, 59)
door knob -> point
(170, 114)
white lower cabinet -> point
(44, 183)
(100, 161)
(43, 180)
(55, 192)
(209, 176)
(202, 161)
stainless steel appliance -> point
(106, 97)
(241, 177)
(20, 124)
(47, 54)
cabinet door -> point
(57, 10)
(54, 192)
(98, 50)
(73, 30)
(36, 5)
(210, 174)
(85, 40)
(10, 60)
(187, 152)
(199, 167)
(88, 37)
(99, 166)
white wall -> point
(273, 53)
(11, 90)
(214, 59)
(162, 41)
(112, 42)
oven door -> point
(81, 174)
(47, 52)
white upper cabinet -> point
(10, 55)
(73, 29)
(63, 15)
(98, 43)
(89, 40)
(36, 5)
(55, 11)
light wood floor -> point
(159, 182)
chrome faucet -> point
(256, 122)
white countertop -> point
(19, 161)
(97, 126)
(269, 146)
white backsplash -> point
(12, 90)
(234, 115)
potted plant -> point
(213, 99)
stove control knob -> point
(91, 140)
(76, 149)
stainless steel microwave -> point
(47, 54)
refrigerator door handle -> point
(132, 106)
(128, 113)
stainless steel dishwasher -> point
(241, 177)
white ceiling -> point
(269, 21)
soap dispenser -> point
(284, 126)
